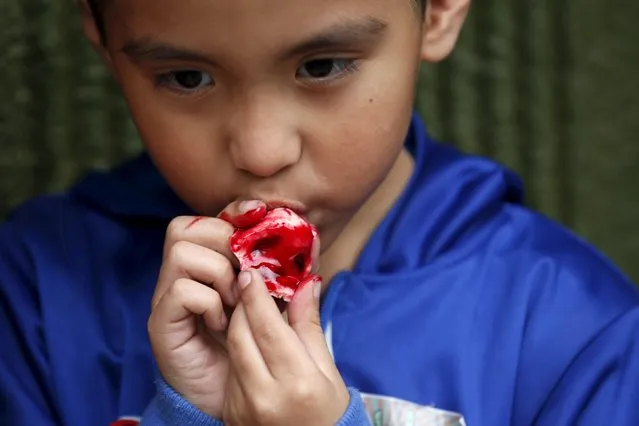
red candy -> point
(279, 247)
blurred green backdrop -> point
(549, 87)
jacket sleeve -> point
(25, 386)
(601, 384)
(168, 408)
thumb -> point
(244, 214)
(304, 319)
(303, 310)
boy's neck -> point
(344, 252)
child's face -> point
(283, 100)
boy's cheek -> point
(364, 150)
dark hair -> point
(97, 9)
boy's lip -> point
(298, 207)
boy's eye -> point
(185, 81)
(322, 69)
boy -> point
(440, 288)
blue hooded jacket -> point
(462, 299)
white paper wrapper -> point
(387, 411)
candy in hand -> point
(279, 247)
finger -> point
(213, 336)
(174, 319)
(188, 260)
(280, 347)
(244, 214)
(304, 319)
(209, 232)
(247, 361)
(236, 411)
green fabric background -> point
(549, 87)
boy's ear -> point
(443, 22)
(92, 33)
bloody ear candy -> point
(280, 247)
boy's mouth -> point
(273, 203)
(297, 207)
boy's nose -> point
(264, 141)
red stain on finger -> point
(194, 221)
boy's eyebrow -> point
(148, 50)
(340, 35)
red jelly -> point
(279, 247)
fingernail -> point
(317, 290)
(244, 279)
(247, 206)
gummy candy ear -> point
(280, 247)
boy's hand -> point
(188, 322)
(282, 374)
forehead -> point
(211, 24)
